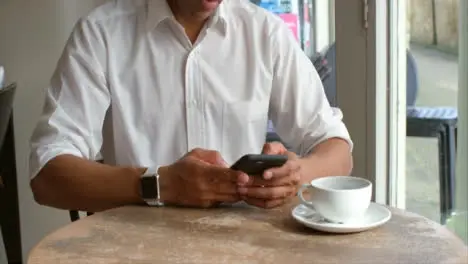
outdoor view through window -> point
(433, 38)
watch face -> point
(148, 188)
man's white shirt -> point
(130, 70)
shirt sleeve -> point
(76, 101)
(299, 109)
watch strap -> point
(150, 188)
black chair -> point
(7, 95)
(440, 123)
(75, 215)
(6, 102)
(3, 257)
(5, 111)
(10, 241)
(329, 84)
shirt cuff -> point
(42, 155)
(340, 132)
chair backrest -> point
(3, 256)
(329, 84)
(412, 84)
(6, 104)
(7, 95)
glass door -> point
(425, 55)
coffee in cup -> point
(338, 199)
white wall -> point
(32, 36)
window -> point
(424, 61)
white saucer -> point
(375, 216)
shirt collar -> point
(159, 10)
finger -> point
(274, 148)
(267, 193)
(210, 156)
(267, 204)
(219, 174)
(194, 166)
(291, 155)
(291, 179)
(288, 168)
(223, 187)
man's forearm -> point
(71, 183)
(329, 158)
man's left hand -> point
(277, 185)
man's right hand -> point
(200, 179)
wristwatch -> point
(150, 191)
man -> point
(190, 85)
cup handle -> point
(301, 197)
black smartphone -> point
(256, 164)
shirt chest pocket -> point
(244, 128)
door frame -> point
(398, 45)
(362, 39)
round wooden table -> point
(241, 234)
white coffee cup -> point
(338, 199)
